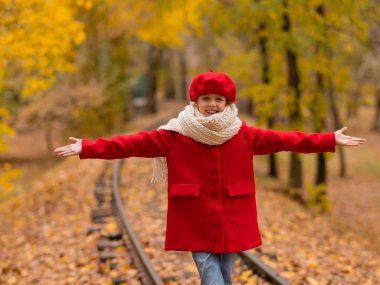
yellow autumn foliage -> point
(159, 22)
(7, 174)
(37, 40)
(322, 43)
(4, 128)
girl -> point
(206, 157)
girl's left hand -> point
(343, 140)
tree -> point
(295, 116)
(160, 24)
(374, 69)
(285, 34)
(37, 40)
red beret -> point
(212, 83)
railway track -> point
(150, 276)
(126, 236)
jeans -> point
(214, 268)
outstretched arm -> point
(343, 140)
(70, 149)
(143, 144)
(270, 141)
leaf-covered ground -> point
(43, 230)
(43, 236)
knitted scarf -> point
(212, 130)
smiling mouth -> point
(211, 112)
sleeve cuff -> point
(86, 146)
(329, 143)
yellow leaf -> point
(64, 259)
(312, 281)
(312, 263)
(111, 227)
(246, 274)
(348, 269)
(121, 249)
(82, 261)
(124, 268)
(251, 280)
(288, 274)
(12, 280)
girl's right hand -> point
(70, 149)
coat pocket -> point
(239, 189)
(184, 190)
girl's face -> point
(211, 104)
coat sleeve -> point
(262, 141)
(143, 144)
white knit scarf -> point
(212, 130)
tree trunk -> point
(91, 48)
(295, 174)
(319, 121)
(376, 119)
(169, 87)
(272, 161)
(337, 124)
(273, 172)
(154, 57)
(320, 176)
(352, 105)
(169, 90)
(250, 106)
(183, 76)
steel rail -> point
(263, 269)
(144, 263)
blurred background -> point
(91, 67)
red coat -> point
(211, 189)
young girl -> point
(206, 157)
